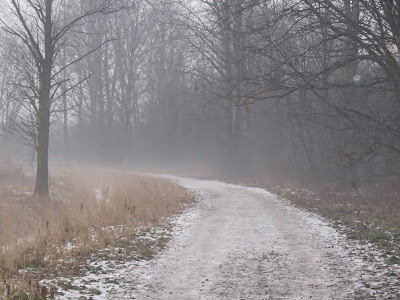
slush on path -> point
(239, 243)
(244, 243)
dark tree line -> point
(295, 87)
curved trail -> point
(244, 243)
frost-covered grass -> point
(370, 213)
(88, 210)
(367, 216)
(373, 249)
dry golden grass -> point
(84, 207)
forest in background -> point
(307, 90)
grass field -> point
(88, 210)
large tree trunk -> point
(352, 11)
(42, 175)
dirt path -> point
(246, 244)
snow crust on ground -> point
(243, 243)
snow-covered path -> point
(244, 243)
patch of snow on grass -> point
(108, 278)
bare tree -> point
(41, 29)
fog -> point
(282, 90)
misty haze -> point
(199, 149)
